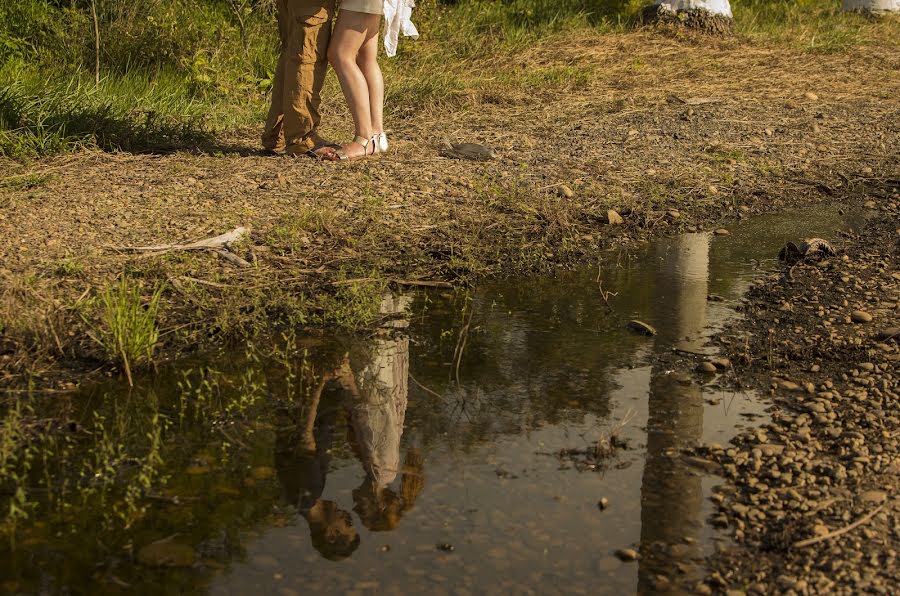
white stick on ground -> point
(220, 241)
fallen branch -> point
(216, 242)
(422, 283)
(232, 258)
(842, 531)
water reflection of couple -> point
(370, 388)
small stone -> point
(870, 205)
(613, 218)
(888, 334)
(565, 191)
(706, 367)
(445, 547)
(811, 96)
(873, 496)
(770, 450)
(603, 504)
(642, 328)
(627, 554)
(721, 232)
(860, 316)
(673, 213)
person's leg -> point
(306, 66)
(273, 135)
(367, 61)
(352, 31)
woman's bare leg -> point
(367, 61)
(352, 31)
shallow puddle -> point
(421, 457)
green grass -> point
(130, 332)
(175, 74)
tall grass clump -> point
(173, 73)
(130, 332)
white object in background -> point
(397, 15)
(873, 5)
(716, 7)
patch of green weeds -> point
(129, 333)
(354, 304)
(26, 181)
(292, 232)
(68, 267)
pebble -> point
(603, 504)
(873, 496)
(641, 327)
(565, 191)
(888, 334)
(627, 554)
(860, 316)
(721, 232)
(706, 367)
(811, 96)
(613, 218)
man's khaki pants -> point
(305, 30)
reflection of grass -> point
(130, 333)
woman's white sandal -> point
(381, 142)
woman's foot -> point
(359, 148)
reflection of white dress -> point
(383, 382)
(379, 411)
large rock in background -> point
(710, 16)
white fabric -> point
(873, 5)
(397, 15)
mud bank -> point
(810, 498)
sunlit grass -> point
(130, 332)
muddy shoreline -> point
(810, 497)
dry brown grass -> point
(642, 122)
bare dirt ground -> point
(671, 131)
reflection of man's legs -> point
(305, 28)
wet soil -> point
(649, 134)
(811, 496)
